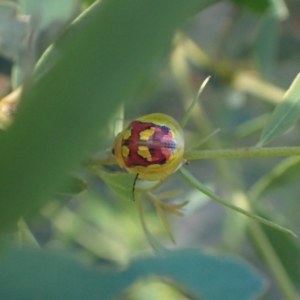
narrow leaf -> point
(251, 126)
(287, 170)
(168, 194)
(122, 184)
(73, 186)
(200, 142)
(155, 244)
(24, 236)
(164, 221)
(161, 215)
(284, 116)
(190, 109)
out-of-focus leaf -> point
(73, 186)
(13, 29)
(156, 245)
(251, 126)
(259, 6)
(279, 9)
(28, 274)
(168, 194)
(266, 45)
(24, 236)
(188, 113)
(286, 171)
(99, 61)
(87, 3)
(121, 184)
(49, 12)
(161, 214)
(284, 116)
(286, 248)
(47, 20)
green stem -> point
(242, 152)
(193, 181)
(272, 260)
(215, 154)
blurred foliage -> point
(287, 249)
(13, 29)
(255, 5)
(65, 276)
(153, 57)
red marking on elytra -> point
(161, 144)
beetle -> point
(151, 146)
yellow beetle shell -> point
(151, 146)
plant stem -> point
(215, 154)
(242, 152)
(193, 181)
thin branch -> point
(242, 153)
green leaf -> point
(251, 126)
(87, 3)
(73, 186)
(259, 6)
(286, 248)
(192, 105)
(284, 116)
(161, 214)
(27, 274)
(199, 186)
(155, 244)
(279, 9)
(99, 61)
(13, 30)
(266, 45)
(24, 236)
(47, 13)
(121, 184)
(48, 19)
(288, 170)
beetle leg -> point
(133, 187)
